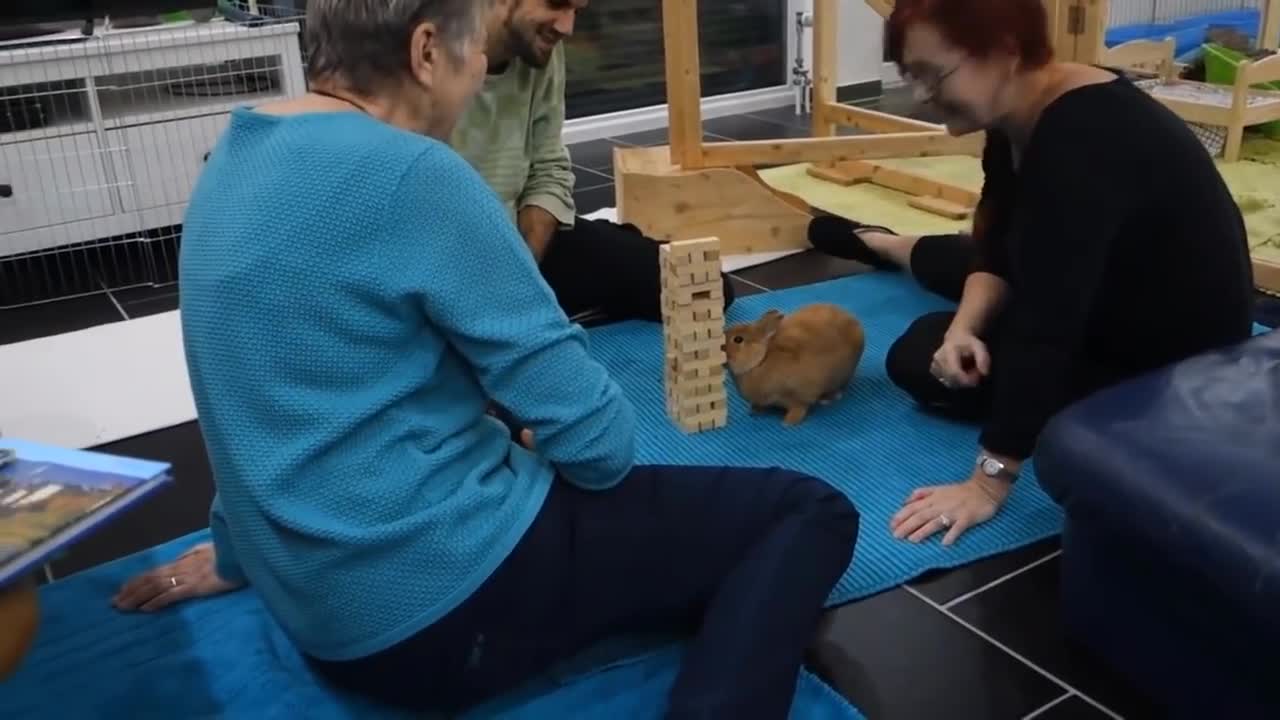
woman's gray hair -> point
(364, 44)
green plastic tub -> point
(1220, 67)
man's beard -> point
(527, 50)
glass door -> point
(615, 57)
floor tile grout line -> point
(618, 141)
(111, 296)
(592, 187)
(799, 124)
(151, 299)
(744, 281)
(1045, 708)
(1025, 661)
(627, 144)
(974, 593)
(594, 172)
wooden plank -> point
(876, 121)
(793, 200)
(1197, 112)
(669, 203)
(944, 208)
(1091, 43)
(1270, 37)
(909, 182)
(883, 8)
(826, 65)
(836, 149)
(842, 173)
(1064, 40)
(684, 81)
(1151, 56)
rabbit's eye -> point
(737, 339)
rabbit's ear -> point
(769, 322)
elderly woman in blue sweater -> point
(354, 298)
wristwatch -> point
(993, 468)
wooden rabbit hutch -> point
(1232, 108)
(695, 189)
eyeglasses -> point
(927, 88)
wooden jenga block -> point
(708, 296)
(693, 334)
(843, 174)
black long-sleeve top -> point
(1123, 249)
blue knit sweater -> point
(352, 297)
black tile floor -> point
(982, 641)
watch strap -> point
(1002, 471)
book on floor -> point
(51, 497)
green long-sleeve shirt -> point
(511, 135)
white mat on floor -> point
(728, 263)
(98, 385)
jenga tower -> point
(693, 329)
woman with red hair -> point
(1105, 243)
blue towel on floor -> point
(226, 658)
(875, 444)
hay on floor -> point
(1254, 182)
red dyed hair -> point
(980, 28)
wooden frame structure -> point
(694, 189)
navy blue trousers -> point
(741, 560)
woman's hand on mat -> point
(192, 575)
(953, 508)
(962, 361)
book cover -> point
(51, 496)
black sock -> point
(837, 236)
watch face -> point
(991, 467)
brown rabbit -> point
(795, 361)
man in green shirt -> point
(512, 135)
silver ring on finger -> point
(945, 521)
(173, 581)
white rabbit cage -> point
(105, 123)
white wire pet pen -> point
(104, 133)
